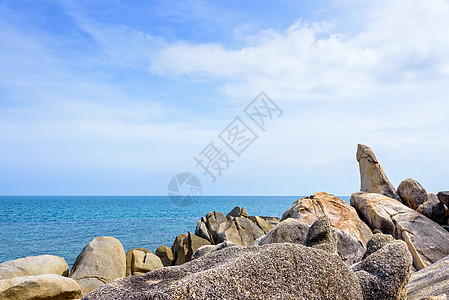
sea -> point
(64, 225)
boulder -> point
(433, 209)
(165, 254)
(349, 249)
(208, 226)
(385, 273)
(412, 193)
(240, 231)
(427, 241)
(201, 231)
(264, 225)
(195, 242)
(180, 249)
(431, 281)
(340, 214)
(275, 271)
(144, 262)
(444, 197)
(377, 242)
(101, 261)
(129, 258)
(372, 176)
(237, 212)
(204, 250)
(322, 236)
(45, 286)
(34, 265)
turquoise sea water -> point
(62, 225)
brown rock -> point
(144, 262)
(427, 241)
(444, 197)
(34, 265)
(129, 257)
(433, 209)
(264, 225)
(180, 249)
(373, 178)
(340, 214)
(195, 242)
(412, 193)
(165, 254)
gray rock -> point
(275, 271)
(431, 281)
(433, 209)
(373, 178)
(412, 193)
(204, 250)
(34, 265)
(444, 197)
(101, 261)
(288, 231)
(322, 236)
(349, 248)
(377, 242)
(264, 225)
(426, 240)
(165, 254)
(237, 212)
(385, 273)
(240, 231)
(201, 231)
(46, 286)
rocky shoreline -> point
(387, 244)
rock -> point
(431, 281)
(207, 227)
(180, 249)
(377, 242)
(412, 193)
(243, 213)
(385, 273)
(240, 231)
(264, 225)
(165, 254)
(195, 242)
(129, 258)
(201, 231)
(340, 214)
(237, 212)
(446, 227)
(427, 241)
(349, 249)
(373, 178)
(144, 262)
(433, 209)
(34, 265)
(444, 197)
(322, 236)
(204, 250)
(101, 261)
(439, 297)
(275, 271)
(288, 231)
(45, 286)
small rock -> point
(165, 254)
(433, 209)
(444, 197)
(204, 250)
(144, 262)
(237, 212)
(412, 193)
(180, 249)
(195, 242)
(322, 236)
(376, 242)
(34, 265)
(46, 286)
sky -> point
(117, 97)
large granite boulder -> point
(433, 209)
(34, 265)
(412, 193)
(129, 259)
(101, 261)
(142, 262)
(426, 240)
(322, 236)
(341, 215)
(384, 274)
(45, 286)
(275, 271)
(444, 197)
(185, 245)
(165, 254)
(208, 226)
(239, 230)
(372, 176)
(431, 281)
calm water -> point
(63, 225)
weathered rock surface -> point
(237, 212)
(142, 262)
(377, 242)
(431, 281)
(385, 273)
(349, 249)
(264, 225)
(180, 249)
(433, 209)
(275, 271)
(444, 197)
(426, 240)
(412, 193)
(101, 261)
(195, 242)
(208, 226)
(34, 265)
(240, 231)
(373, 178)
(165, 254)
(46, 286)
(129, 258)
(322, 236)
(204, 250)
(341, 215)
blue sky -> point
(116, 97)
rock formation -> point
(34, 265)
(412, 193)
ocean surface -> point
(63, 225)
